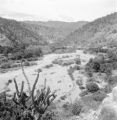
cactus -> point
(43, 100)
(40, 101)
(29, 88)
(23, 106)
(20, 97)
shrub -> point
(83, 93)
(67, 62)
(79, 82)
(89, 68)
(99, 58)
(32, 59)
(62, 62)
(49, 66)
(49, 115)
(103, 68)
(5, 65)
(99, 95)
(66, 106)
(91, 79)
(106, 68)
(63, 97)
(23, 106)
(70, 73)
(82, 87)
(108, 88)
(90, 103)
(114, 65)
(75, 67)
(15, 65)
(33, 50)
(96, 67)
(17, 56)
(90, 74)
(92, 87)
(112, 55)
(77, 107)
(112, 80)
(26, 63)
(78, 61)
(99, 65)
(28, 54)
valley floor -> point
(54, 74)
(57, 76)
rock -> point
(114, 93)
(109, 112)
(109, 107)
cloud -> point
(68, 10)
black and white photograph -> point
(58, 59)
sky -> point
(57, 10)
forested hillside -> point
(102, 31)
(42, 34)
(13, 32)
(53, 31)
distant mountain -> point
(100, 32)
(53, 31)
(59, 24)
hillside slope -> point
(12, 32)
(102, 31)
(53, 31)
(32, 32)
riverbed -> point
(57, 76)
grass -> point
(77, 107)
(90, 103)
(14, 64)
(48, 66)
(93, 101)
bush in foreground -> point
(25, 106)
(99, 96)
(77, 107)
(92, 87)
(5, 65)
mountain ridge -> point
(54, 30)
(100, 29)
(33, 32)
(100, 32)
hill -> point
(100, 32)
(59, 24)
(13, 32)
(53, 31)
(33, 32)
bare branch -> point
(29, 88)
(33, 89)
(16, 87)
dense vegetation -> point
(100, 32)
(102, 66)
(10, 57)
(26, 40)
(104, 62)
(14, 32)
(42, 34)
(26, 106)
